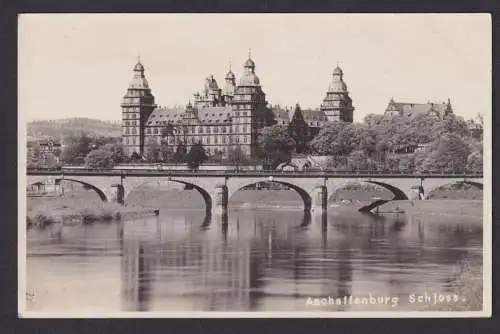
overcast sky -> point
(79, 65)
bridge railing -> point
(187, 172)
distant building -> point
(219, 118)
(412, 109)
(43, 152)
(475, 128)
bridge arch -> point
(98, 191)
(440, 183)
(398, 193)
(304, 194)
(129, 187)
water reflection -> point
(263, 260)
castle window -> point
(216, 129)
(156, 130)
(126, 140)
(134, 131)
(127, 123)
(208, 129)
(245, 139)
(149, 130)
(237, 140)
(208, 140)
(223, 139)
(245, 113)
(127, 131)
(215, 140)
(223, 129)
(237, 113)
(200, 129)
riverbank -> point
(466, 282)
(459, 207)
(46, 211)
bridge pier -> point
(221, 199)
(320, 199)
(118, 193)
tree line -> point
(425, 142)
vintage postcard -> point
(256, 165)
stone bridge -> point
(217, 187)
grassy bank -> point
(467, 283)
(70, 210)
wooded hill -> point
(63, 128)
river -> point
(257, 260)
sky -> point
(80, 65)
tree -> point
(237, 157)
(451, 123)
(298, 130)
(336, 138)
(76, 149)
(135, 157)
(180, 153)
(116, 150)
(153, 150)
(276, 144)
(196, 156)
(446, 154)
(99, 158)
(475, 162)
(166, 152)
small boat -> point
(398, 210)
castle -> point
(219, 118)
(439, 110)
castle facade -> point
(219, 118)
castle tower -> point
(229, 87)
(249, 110)
(337, 105)
(137, 104)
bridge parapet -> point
(217, 187)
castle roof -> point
(163, 115)
(177, 115)
(414, 109)
(314, 115)
(214, 114)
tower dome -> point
(230, 75)
(249, 78)
(337, 85)
(139, 80)
(249, 63)
(338, 71)
(138, 67)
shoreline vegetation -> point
(467, 283)
(67, 211)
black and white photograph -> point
(254, 165)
